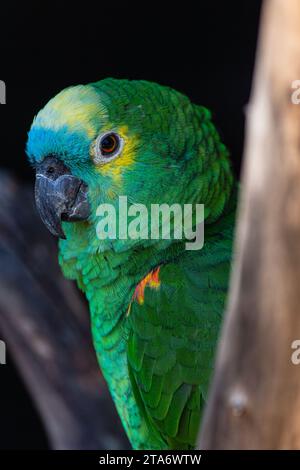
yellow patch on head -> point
(78, 108)
(126, 158)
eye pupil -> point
(109, 144)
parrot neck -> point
(116, 276)
(109, 277)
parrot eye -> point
(107, 147)
(109, 144)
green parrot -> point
(156, 307)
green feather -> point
(156, 356)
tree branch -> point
(255, 394)
(46, 326)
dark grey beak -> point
(59, 195)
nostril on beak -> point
(52, 167)
(50, 170)
(59, 195)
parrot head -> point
(92, 143)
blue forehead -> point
(61, 142)
(67, 124)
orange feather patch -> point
(151, 280)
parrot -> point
(155, 307)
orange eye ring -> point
(109, 144)
(107, 147)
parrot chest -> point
(109, 320)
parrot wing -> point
(174, 321)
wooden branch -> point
(45, 323)
(255, 394)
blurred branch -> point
(46, 325)
(255, 395)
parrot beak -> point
(59, 195)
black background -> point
(206, 52)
